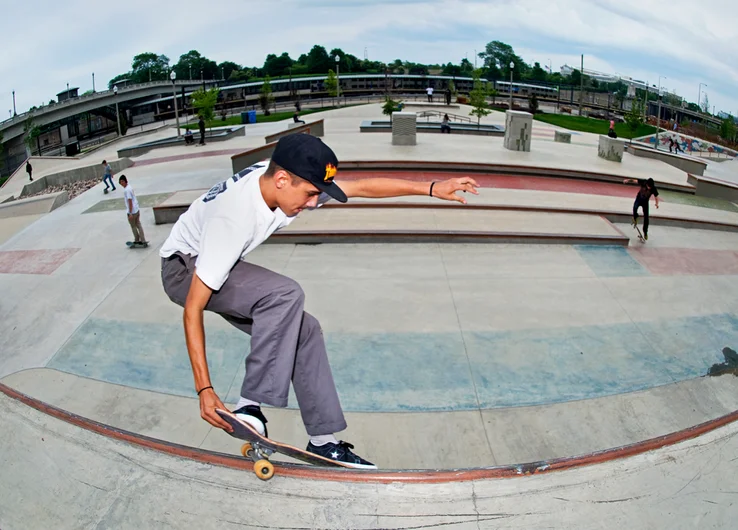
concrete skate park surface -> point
(462, 360)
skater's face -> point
(295, 194)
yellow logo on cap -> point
(330, 172)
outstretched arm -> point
(382, 188)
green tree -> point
(390, 106)
(31, 132)
(331, 85)
(265, 96)
(634, 117)
(317, 60)
(499, 55)
(478, 97)
(203, 101)
(200, 67)
(228, 67)
(149, 67)
(705, 105)
(727, 129)
(537, 73)
(276, 66)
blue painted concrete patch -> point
(610, 261)
(395, 372)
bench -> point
(241, 161)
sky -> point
(48, 44)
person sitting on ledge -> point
(189, 139)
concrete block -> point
(518, 127)
(563, 137)
(610, 148)
(404, 130)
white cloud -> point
(55, 43)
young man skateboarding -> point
(648, 188)
(133, 212)
(203, 268)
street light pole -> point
(173, 76)
(699, 94)
(117, 115)
(14, 112)
(512, 66)
(658, 118)
(93, 82)
(338, 79)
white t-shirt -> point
(429, 90)
(223, 225)
(128, 194)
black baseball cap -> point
(309, 158)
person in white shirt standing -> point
(133, 212)
(204, 268)
(429, 91)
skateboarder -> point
(648, 188)
(203, 268)
(108, 176)
(133, 212)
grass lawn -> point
(592, 125)
(260, 118)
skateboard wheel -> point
(264, 469)
(247, 450)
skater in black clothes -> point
(648, 188)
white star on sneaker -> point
(334, 455)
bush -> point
(462, 99)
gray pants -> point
(286, 342)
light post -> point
(338, 79)
(14, 112)
(512, 66)
(93, 82)
(117, 115)
(173, 76)
(658, 118)
(699, 95)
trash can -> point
(252, 116)
(72, 148)
(245, 117)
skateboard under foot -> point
(640, 235)
(135, 244)
(259, 449)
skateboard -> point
(640, 235)
(259, 449)
(133, 244)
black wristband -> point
(431, 188)
(198, 392)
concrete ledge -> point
(315, 128)
(563, 137)
(218, 135)
(243, 160)
(431, 105)
(610, 148)
(73, 175)
(688, 164)
(434, 127)
(315, 237)
(33, 205)
(518, 129)
(714, 188)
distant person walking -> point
(201, 126)
(108, 176)
(611, 133)
(429, 91)
(133, 212)
(29, 169)
(448, 96)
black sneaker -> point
(341, 452)
(252, 415)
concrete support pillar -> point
(518, 127)
(610, 148)
(404, 131)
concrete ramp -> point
(63, 471)
(33, 205)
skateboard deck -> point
(640, 236)
(133, 244)
(259, 448)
